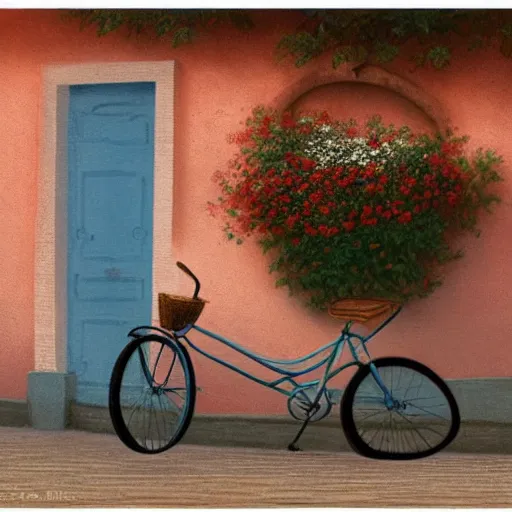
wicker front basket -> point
(176, 312)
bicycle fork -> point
(388, 399)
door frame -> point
(50, 287)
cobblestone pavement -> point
(81, 469)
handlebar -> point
(185, 269)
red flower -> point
(451, 148)
(429, 180)
(405, 190)
(405, 218)
(349, 225)
(295, 241)
(417, 209)
(287, 121)
(427, 194)
(383, 179)
(352, 131)
(452, 198)
(305, 128)
(311, 230)
(303, 187)
(316, 197)
(367, 210)
(291, 221)
(307, 164)
(323, 229)
(387, 214)
(324, 209)
(324, 118)
(333, 231)
(277, 230)
(435, 160)
(370, 170)
(374, 143)
(265, 132)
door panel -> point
(110, 226)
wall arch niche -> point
(361, 95)
(360, 101)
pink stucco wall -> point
(462, 331)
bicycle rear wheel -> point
(152, 394)
(423, 419)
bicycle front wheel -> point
(422, 419)
(152, 394)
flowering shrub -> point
(352, 211)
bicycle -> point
(392, 408)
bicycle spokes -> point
(417, 418)
(153, 394)
(401, 425)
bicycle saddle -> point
(362, 310)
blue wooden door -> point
(110, 226)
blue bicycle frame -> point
(286, 367)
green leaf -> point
(181, 36)
(439, 56)
(385, 52)
(282, 282)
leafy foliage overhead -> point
(350, 35)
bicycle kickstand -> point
(292, 446)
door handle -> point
(82, 234)
(139, 233)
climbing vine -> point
(349, 35)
